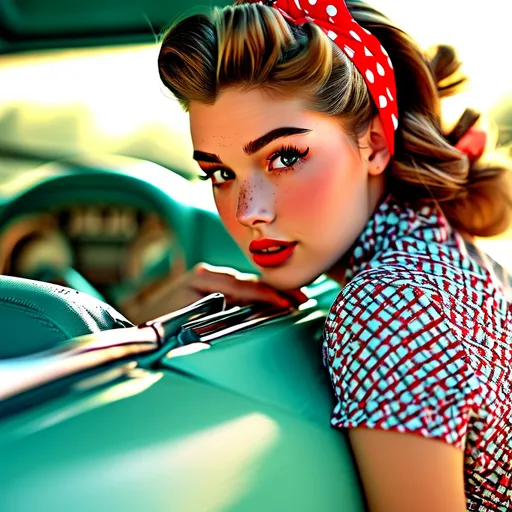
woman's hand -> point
(239, 289)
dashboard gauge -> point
(92, 221)
(106, 244)
(30, 241)
(155, 248)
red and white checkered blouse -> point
(420, 340)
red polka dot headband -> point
(360, 46)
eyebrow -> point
(254, 145)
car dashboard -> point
(105, 243)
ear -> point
(376, 149)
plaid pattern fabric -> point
(419, 340)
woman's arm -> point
(407, 472)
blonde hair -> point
(252, 45)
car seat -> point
(37, 316)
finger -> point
(298, 297)
(292, 297)
(244, 292)
(241, 276)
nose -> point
(255, 204)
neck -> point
(377, 192)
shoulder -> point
(395, 362)
(388, 296)
(387, 319)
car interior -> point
(105, 223)
(97, 191)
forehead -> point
(242, 115)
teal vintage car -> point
(204, 409)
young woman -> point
(318, 124)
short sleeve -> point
(395, 363)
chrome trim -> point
(22, 374)
(254, 315)
(170, 325)
(229, 315)
(210, 328)
(85, 352)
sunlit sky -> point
(480, 30)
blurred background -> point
(73, 81)
(79, 79)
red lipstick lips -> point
(267, 252)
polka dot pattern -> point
(355, 35)
(348, 51)
(361, 47)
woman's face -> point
(291, 187)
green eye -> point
(287, 157)
(287, 161)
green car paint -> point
(240, 425)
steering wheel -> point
(32, 246)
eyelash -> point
(292, 151)
(286, 151)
